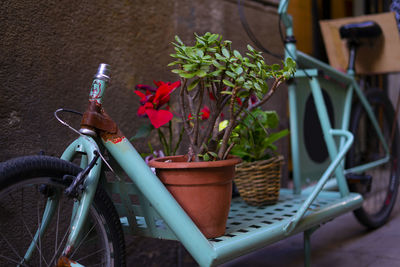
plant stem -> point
(163, 141)
(170, 136)
(197, 120)
(179, 141)
(275, 85)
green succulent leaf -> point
(219, 57)
(228, 83)
(201, 73)
(178, 40)
(231, 74)
(187, 75)
(239, 70)
(237, 54)
(250, 48)
(225, 52)
(190, 67)
(193, 85)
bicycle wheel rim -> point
(379, 202)
(23, 204)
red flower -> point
(204, 112)
(253, 99)
(163, 92)
(151, 103)
(211, 95)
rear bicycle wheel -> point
(380, 198)
(26, 184)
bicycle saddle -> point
(367, 29)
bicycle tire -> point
(26, 183)
(380, 199)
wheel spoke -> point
(31, 235)
(11, 260)
(58, 249)
(57, 226)
(39, 231)
(83, 239)
(11, 246)
(89, 255)
(29, 239)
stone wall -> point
(50, 50)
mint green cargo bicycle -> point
(55, 213)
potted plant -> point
(217, 84)
(258, 177)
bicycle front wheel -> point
(26, 185)
(380, 197)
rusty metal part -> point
(95, 118)
(65, 262)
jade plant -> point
(218, 83)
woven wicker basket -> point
(259, 182)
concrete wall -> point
(49, 51)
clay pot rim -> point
(180, 162)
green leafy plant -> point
(216, 76)
(253, 138)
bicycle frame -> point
(161, 204)
(310, 76)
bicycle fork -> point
(86, 181)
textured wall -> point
(49, 51)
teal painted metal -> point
(351, 87)
(250, 228)
(52, 203)
(86, 145)
(371, 116)
(75, 264)
(162, 201)
(326, 128)
(325, 177)
(347, 111)
(285, 17)
(310, 62)
(307, 245)
(99, 84)
(369, 165)
(294, 128)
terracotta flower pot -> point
(203, 189)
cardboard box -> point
(381, 55)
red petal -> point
(148, 105)
(158, 83)
(140, 94)
(141, 111)
(206, 113)
(163, 92)
(211, 95)
(145, 87)
(159, 117)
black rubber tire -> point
(104, 228)
(379, 201)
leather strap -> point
(96, 118)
